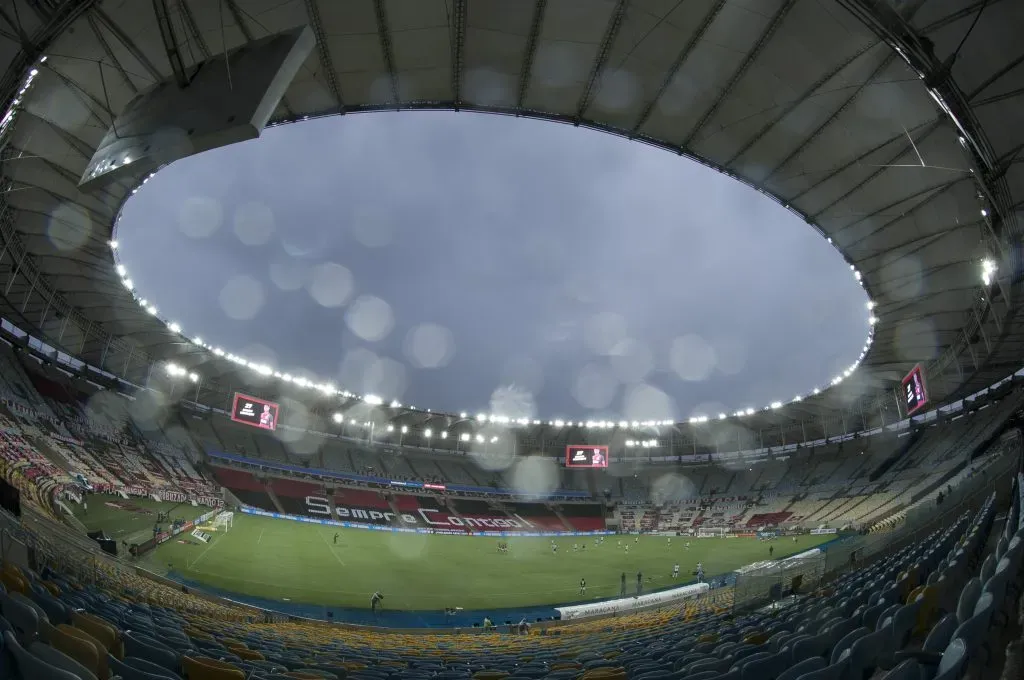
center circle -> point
(467, 262)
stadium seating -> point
(928, 610)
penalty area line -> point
(330, 549)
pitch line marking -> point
(330, 549)
(202, 555)
(260, 539)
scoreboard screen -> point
(253, 411)
(915, 391)
(586, 456)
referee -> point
(375, 601)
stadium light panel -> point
(373, 400)
(480, 439)
(391, 428)
(194, 377)
(174, 327)
(444, 434)
(428, 433)
(122, 270)
(113, 245)
(338, 418)
(465, 437)
(128, 283)
(405, 429)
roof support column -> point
(63, 327)
(981, 330)
(28, 295)
(128, 360)
(14, 274)
(103, 354)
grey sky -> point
(473, 262)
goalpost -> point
(224, 521)
(710, 533)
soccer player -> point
(639, 582)
(335, 539)
(771, 551)
(622, 585)
(583, 587)
(583, 547)
(675, 571)
(267, 418)
(375, 601)
(670, 541)
(687, 545)
(700, 572)
(554, 548)
(575, 547)
(637, 539)
(627, 548)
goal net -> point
(710, 533)
(224, 521)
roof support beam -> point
(457, 35)
(748, 60)
(531, 50)
(799, 148)
(236, 14)
(170, 40)
(882, 167)
(324, 53)
(102, 40)
(677, 64)
(128, 44)
(611, 31)
(384, 35)
(804, 96)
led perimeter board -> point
(915, 391)
(586, 456)
(255, 412)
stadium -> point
(172, 509)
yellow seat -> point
(82, 651)
(81, 635)
(203, 668)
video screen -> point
(915, 392)
(586, 456)
(255, 412)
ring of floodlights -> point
(988, 272)
(328, 388)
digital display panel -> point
(586, 456)
(256, 412)
(915, 391)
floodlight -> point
(391, 428)
(405, 429)
(465, 437)
(338, 418)
(444, 434)
(373, 399)
(194, 377)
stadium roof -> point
(896, 132)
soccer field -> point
(132, 519)
(281, 559)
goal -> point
(710, 533)
(224, 521)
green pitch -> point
(133, 526)
(281, 559)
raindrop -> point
(370, 318)
(200, 217)
(241, 298)
(254, 223)
(595, 387)
(429, 345)
(331, 284)
(692, 358)
(68, 227)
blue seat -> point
(954, 659)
